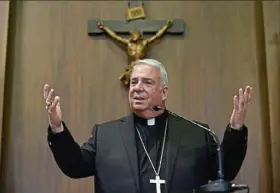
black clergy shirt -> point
(152, 136)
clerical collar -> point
(152, 121)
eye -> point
(149, 82)
(133, 82)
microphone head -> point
(156, 108)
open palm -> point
(53, 107)
(240, 105)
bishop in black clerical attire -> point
(152, 150)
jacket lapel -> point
(127, 132)
(173, 145)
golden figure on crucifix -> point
(136, 46)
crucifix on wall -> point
(135, 26)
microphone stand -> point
(219, 185)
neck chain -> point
(162, 150)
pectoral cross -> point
(158, 182)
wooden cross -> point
(146, 26)
(136, 26)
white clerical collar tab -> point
(151, 121)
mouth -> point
(139, 98)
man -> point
(130, 154)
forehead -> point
(145, 71)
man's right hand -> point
(53, 109)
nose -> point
(139, 86)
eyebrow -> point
(136, 78)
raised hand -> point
(240, 106)
(53, 109)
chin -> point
(139, 107)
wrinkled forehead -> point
(145, 71)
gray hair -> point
(157, 64)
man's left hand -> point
(240, 102)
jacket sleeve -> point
(233, 148)
(74, 160)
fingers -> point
(47, 89)
(248, 94)
(241, 101)
(52, 107)
(54, 104)
(235, 103)
(48, 95)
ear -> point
(164, 93)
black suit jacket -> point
(110, 155)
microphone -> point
(219, 185)
(156, 108)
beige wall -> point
(270, 135)
(4, 16)
(48, 43)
